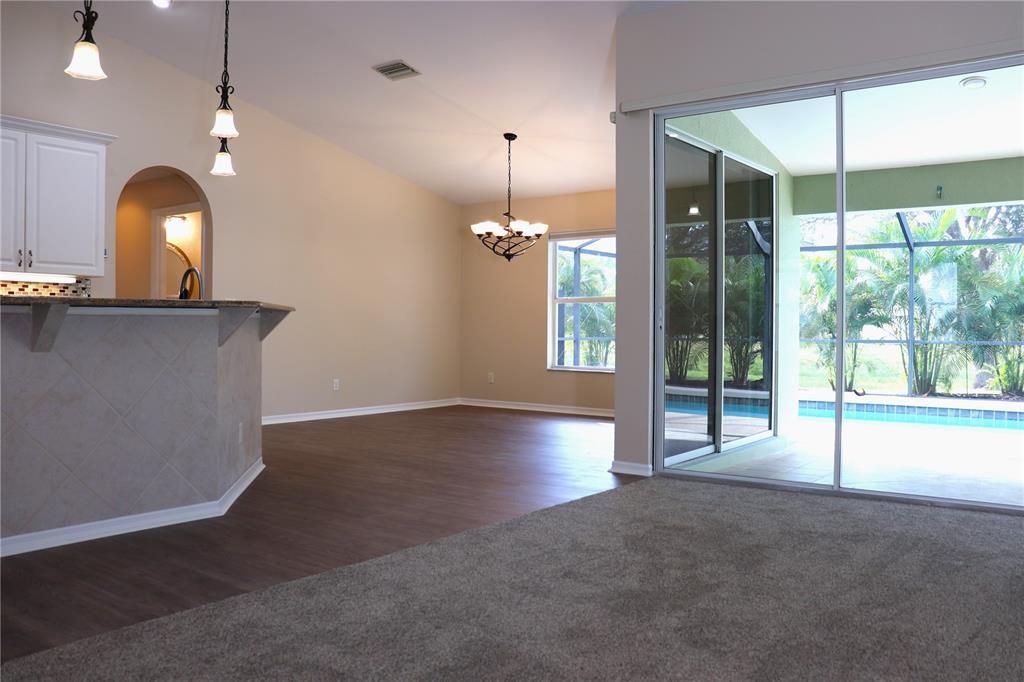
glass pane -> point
(749, 215)
(935, 289)
(586, 267)
(688, 301)
(585, 335)
(780, 331)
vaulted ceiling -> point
(544, 70)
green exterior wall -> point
(970, 182)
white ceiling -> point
(910, 124)
(544, 70)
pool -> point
(909, 414)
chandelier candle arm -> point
(85, 60)
(516, 235)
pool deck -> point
(977, 464)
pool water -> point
(995, 420)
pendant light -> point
(85, 60)
(515, 236)
(222, 162)
(224, 118)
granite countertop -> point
(48, 313)
(79, 301)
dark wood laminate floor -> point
(334, 493)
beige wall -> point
(134, 230)
(505, 308)
(370, 260)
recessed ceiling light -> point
(162, 4)
(973, 82)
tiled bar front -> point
(132, 411)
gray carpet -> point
(659, 579)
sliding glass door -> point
(748, 283)
(687, 319)
(934, 287)
(715, 302)
(839, 286)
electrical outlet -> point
(336, 384)
(490, 377)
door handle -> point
(20, 259)
(30, 257)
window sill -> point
(584, 370)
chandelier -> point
(515, 236)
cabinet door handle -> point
(20, 259)
(30, 257)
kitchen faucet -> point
(183, 290)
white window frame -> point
(554, 299)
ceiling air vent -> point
(396, 71)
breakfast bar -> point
(124, 414)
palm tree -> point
(944, 291)
(744, 314)
(688, 316)
(997, 315)
(596, 321)
(818, 294)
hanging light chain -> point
(224, 88)
(88, 20)
(508, 213)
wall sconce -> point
(176, 228)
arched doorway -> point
(163, 228)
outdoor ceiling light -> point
(973, 82)
(224, 119)
(694, 206)
(162, 4)
(516, 236)
(85, 60)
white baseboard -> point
(44, 539)
(428, 404)
(356, 411)
(631, 468)
(538, 407)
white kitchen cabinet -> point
(54, 199)
(12, 200)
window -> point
(582, 328)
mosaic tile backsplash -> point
(82, 288)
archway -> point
(164, 227)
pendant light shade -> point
(224, 124)
(222, 162)
(694, 209)
(85, 60)
(487, 227)
(516, 236)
